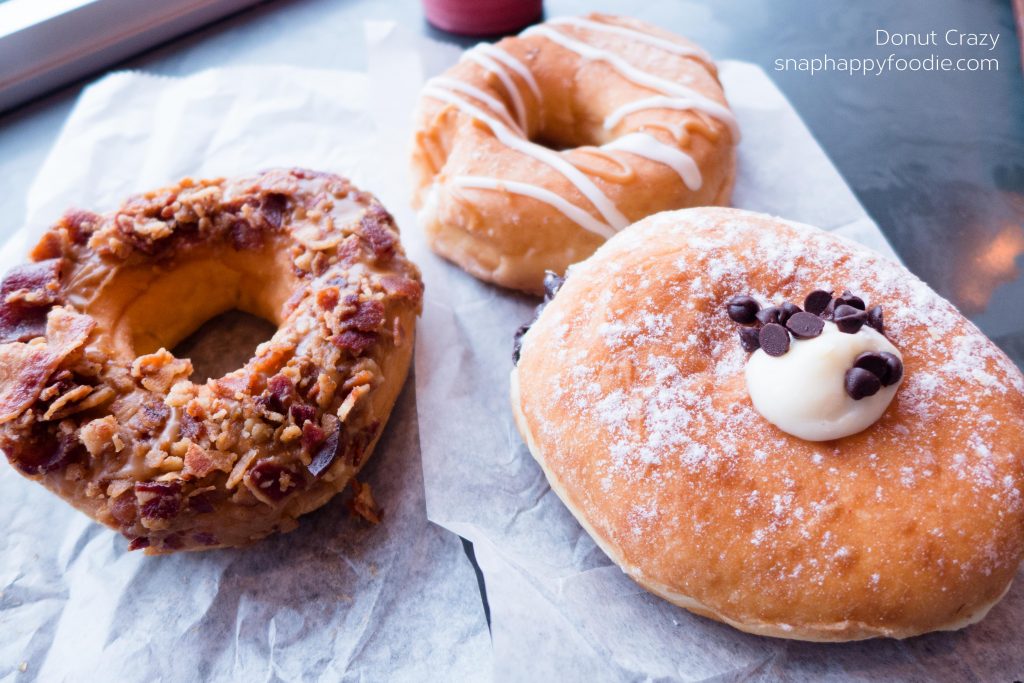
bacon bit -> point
(149, 417)
(354, 341)
(97, 397)
(158, 501)
(24, 371)
(294, 300)
(363, 504)
(42, 451)
(33, 284)
(290, 433)
(349, 250)
(244, 236)
(301, 413)
(191, 428)
(402, 287)
(358, 379)
(67, 330)
(271, 482)
(138, 543)
(53, 244)
(358, 444)
(25, 295)
(238, 472)
(279, 394)
(97, 435)
(21, 323)
(80, 224)
(327, 298)
(200, 462)
(272, 209)
(350, 401)
(158, 371)
(230, 385)
(273, 356)
(124, 508)
(368, 317)
(376, 226)
(326, 454)
(312, 436)
(71, 396)
(325, 386)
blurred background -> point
(937, 158)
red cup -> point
(482, 17)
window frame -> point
(44, 45)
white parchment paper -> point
(560, 610)
(338, 599)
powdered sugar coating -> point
(633, 394)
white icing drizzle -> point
(476, 55)
(615, 219)
(640, 77)
(639, 36)
(649, 147)
(514, 64)
(567, 208)
(496, 105)
(660, 102)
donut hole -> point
(223, 343)
(147, 307)
(559, 136)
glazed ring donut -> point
(95, 408)
(638, 114)
(630, 393)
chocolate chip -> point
(875, 319)
(894, 367)
(873, 363)
(517, 341)
(774, 339)
(743, 309)
(849, 319)
(787, 311)
(805, 325)
(861, 383)
(749, 339)
(769, 315)
(849, 299)
(552, 283)
(829, 311)
(817, 301)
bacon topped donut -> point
(529, 153)
(94, 406)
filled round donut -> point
(633, 391)
(94, 406)
(531, 152)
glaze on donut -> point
(630, 392)
(638, 113)
(94, 407)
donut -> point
(633, 392)
(531, 152)
(94, 407)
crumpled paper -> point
(338, 599)
(559, 607)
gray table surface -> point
(936, 158)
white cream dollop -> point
(803, 391)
